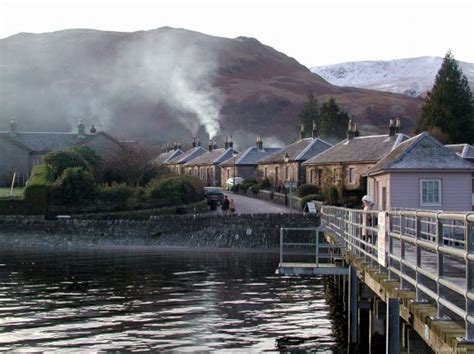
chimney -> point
(179, 145)
(81, 130)
(194, 142)
(13, 127)
(175, 146)
(391, 127)
(199, 142)
(210, 145)
(302, 131)
(356, 131)
(214, 145)
(231, 143)
(314, 132)
(93, 130)
(259, 143)
(398, 125)
(351, 130)
(226, 143)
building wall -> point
(209, 174)
(376, 188)
(102, 145)
(339, 175)
(13, 159)
(277, 173)
(246, 172)
(456, 190)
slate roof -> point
(250, 156)
(46, 141)
(466, 151)
(422, 152)
(187, 156)
(164, 157)
(298, 151)
(215, 156)
(359, 149)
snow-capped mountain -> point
(411, 77)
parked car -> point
(213, 193)
(230, 182)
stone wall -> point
(197, 231)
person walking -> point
(232, 206)
(225, 205)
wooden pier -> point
(419, 263)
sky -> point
(314, 32)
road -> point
(247, 205)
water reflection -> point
(158, 300)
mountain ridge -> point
(171, 84)
(409, 76)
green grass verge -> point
(5, 192)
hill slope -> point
(413, 77)
(169, 84)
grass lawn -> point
(5, 192)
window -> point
(351, 175)
(430, 192)
(265, 174)
(35, 161)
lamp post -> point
(287, 159)
(234, 155)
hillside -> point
(413, 77)
(168, 84)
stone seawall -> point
(200, 231)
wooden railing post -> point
(469, 242)
(440, 265)
(419, 277)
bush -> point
(307, 189)
(75, 186)
(309, 198)
(265, 184)
(248, 183)
(86, 153)
(255, 188)
(116, 193)
(61, 160)
(331, 195)
(177, 190)
(36, 194)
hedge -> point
(36, 194)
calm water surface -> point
(138, 300)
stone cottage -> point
(245, 163)
(286, 163)
(21, 150)
(421, 173)
(177, 162)
(206, 166)
(168, 153)
(344, 164)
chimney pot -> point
(398, 125)
(81, 130)
(194, 142)
(13, 127)
(93, 130)
(314, 132)
(391, 128)
(302, 131)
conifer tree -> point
(333, 122)
(449, 106)
(309, 113)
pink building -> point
(421, 173)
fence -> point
(431, 253)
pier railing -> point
(431, 253)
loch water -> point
(138, 299)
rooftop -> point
(370, 148)
(214, 156)
(300, 150)
(422, 152)
(466, 151)
(187, 156)
(250, 156)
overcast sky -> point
(313, 32)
